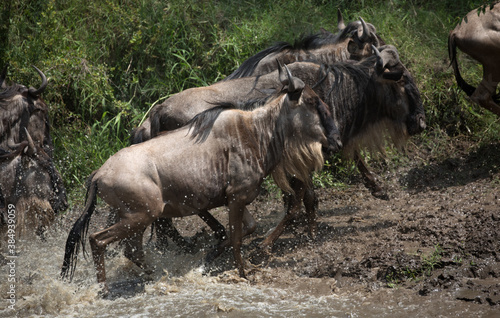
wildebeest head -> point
(308, 118)
(31, 183)
(357, 39)
(389, 100)
(29, 180)
(22, 107)
(401, 88)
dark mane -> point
(313, 41)
(307, 42)
(352, 87)
(201, 124)
(247, 67)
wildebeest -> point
(366, 98)
(23, 107)
(478, 35)
(31, 186)
(352, 42)
(28, 179)
(167, 175)
(370, 100)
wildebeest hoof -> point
(104, 291)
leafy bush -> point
(108, 61)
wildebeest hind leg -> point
(100, 240)
(483, 96)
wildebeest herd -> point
(280, 113)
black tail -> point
(452, 52)
(79, 231)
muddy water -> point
(180, 290)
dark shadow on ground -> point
(455, 171)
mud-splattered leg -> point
(369, 179)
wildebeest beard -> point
(359, 106)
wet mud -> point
(432, 249)
(439, 232)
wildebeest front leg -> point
(369, 179)
(165, 228)
(311, 205)
(236, 211)
(249, 226)
(292, 211)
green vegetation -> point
(428, 263)
(109, 61)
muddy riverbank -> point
(432, 249)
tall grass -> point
(108, 61)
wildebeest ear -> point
(388, 64)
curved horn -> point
(36, 92)
(366, 31)
(12, 144)
(282, 77)
(291, 84)
(379, 66)
(31, 145)
(4, 75)
(340, 20)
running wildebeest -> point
(365, 99)
(167, 175)
(28, 178)
(370, 100)
(352, 42)
(478, 35)
(32, 186)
